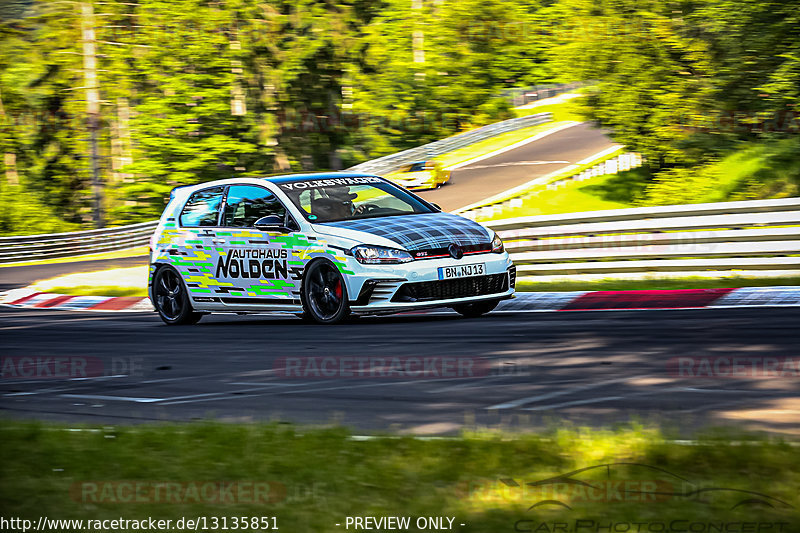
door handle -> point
(218, 241)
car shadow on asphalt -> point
(257, 320)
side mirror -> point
(271, 223)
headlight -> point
(497, 245)
(378, 255)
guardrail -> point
(388, 163)
(520, 96)
(760, 235)
(52, 246)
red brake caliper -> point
(338, 289)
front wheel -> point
(171, 300)
(324, 293)
(476, 309)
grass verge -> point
(758, 170)
(101, 290)
(654, 284)
(120, 254)
(595, 194)
(317, 478)
(563, 110)
(128, 281)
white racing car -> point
(321, 246)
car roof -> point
(285, 178)
(279, 178)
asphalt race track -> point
(12, 277)
(511, 369)
(537, 369)
(488, 177)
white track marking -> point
(555, 394)
(56, 323)
(225, 395)
(476, 383)
(642, 393)
(265, 390)
(110, 398)
(520, 164)
(574, 402)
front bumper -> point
(416, 285)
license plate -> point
(462, 271)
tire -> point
(171, 300)
(324, 293)
(475, 310)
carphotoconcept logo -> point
(642, 484)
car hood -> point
(420, 232)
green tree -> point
(682, 82)
(467, 51)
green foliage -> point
(686, 82)
(755, 171)
(469, 51)
(192, 91)
(324, 474)
(21, 213)
(41, 121)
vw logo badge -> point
(455, 251)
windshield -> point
(335, 199)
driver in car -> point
(338, 205)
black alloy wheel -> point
(171, 299)
(324, 293)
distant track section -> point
(385, 164)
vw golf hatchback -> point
(321, 246)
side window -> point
(248, 203)
(202, 208)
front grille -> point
(452, 288)
(470, 249)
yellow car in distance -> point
(420, 175)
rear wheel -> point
(476, 309)
(324, 293)
(171, 299)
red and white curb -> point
(523, 302)
(654, 299)
(45, 300)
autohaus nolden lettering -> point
(265, 263)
